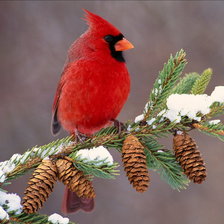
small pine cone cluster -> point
(134, 161)
(189, 157)
(39, 186)
(44, 177)
(74, 179)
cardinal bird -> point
(93, 88)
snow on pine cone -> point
(189, 157)
(39, 186)
(74, 179)
(134, 161)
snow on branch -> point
(176, 105)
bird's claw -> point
(79, 137)
(119, 126)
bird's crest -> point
(99, 24)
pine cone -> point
(134, 161)
(39, 186)
(189, 157)
(74, 179)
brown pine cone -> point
(134, 161)
(39, 186)
(189, 157)
(74, 179)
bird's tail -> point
(72, 203)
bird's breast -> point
(92, 97)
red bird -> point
(93, 87)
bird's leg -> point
(118, 125)
(79, 137)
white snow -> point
(179, 132)
(5, 168)
(15, 158)
(25, 157)
(54, 150)
(84, 154)
(156, 91)
(11, 201)
(187, 105)
(173, 115)
(197, 119)
(9, 165)
(57, 219)
(96, 155)
(147, 105)
(2, 176)
(3, 214)
(149, 122)
(3, 196)
(38, 151)
(161, 113)
(139, 118)
(129, 128)
(214, 122)
(190, 105)
(218, 94)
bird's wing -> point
(55, 124)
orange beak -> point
(123, 45)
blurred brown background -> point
(34, 38)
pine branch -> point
(33, 157)
(202, 82)
(165, 83)
(103, 171)
(164, 162)
(185, 84)
(147, 129)
(217, 109)
(216, 130)
(24, 218)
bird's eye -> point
(108, 38)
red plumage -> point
(95, 82)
